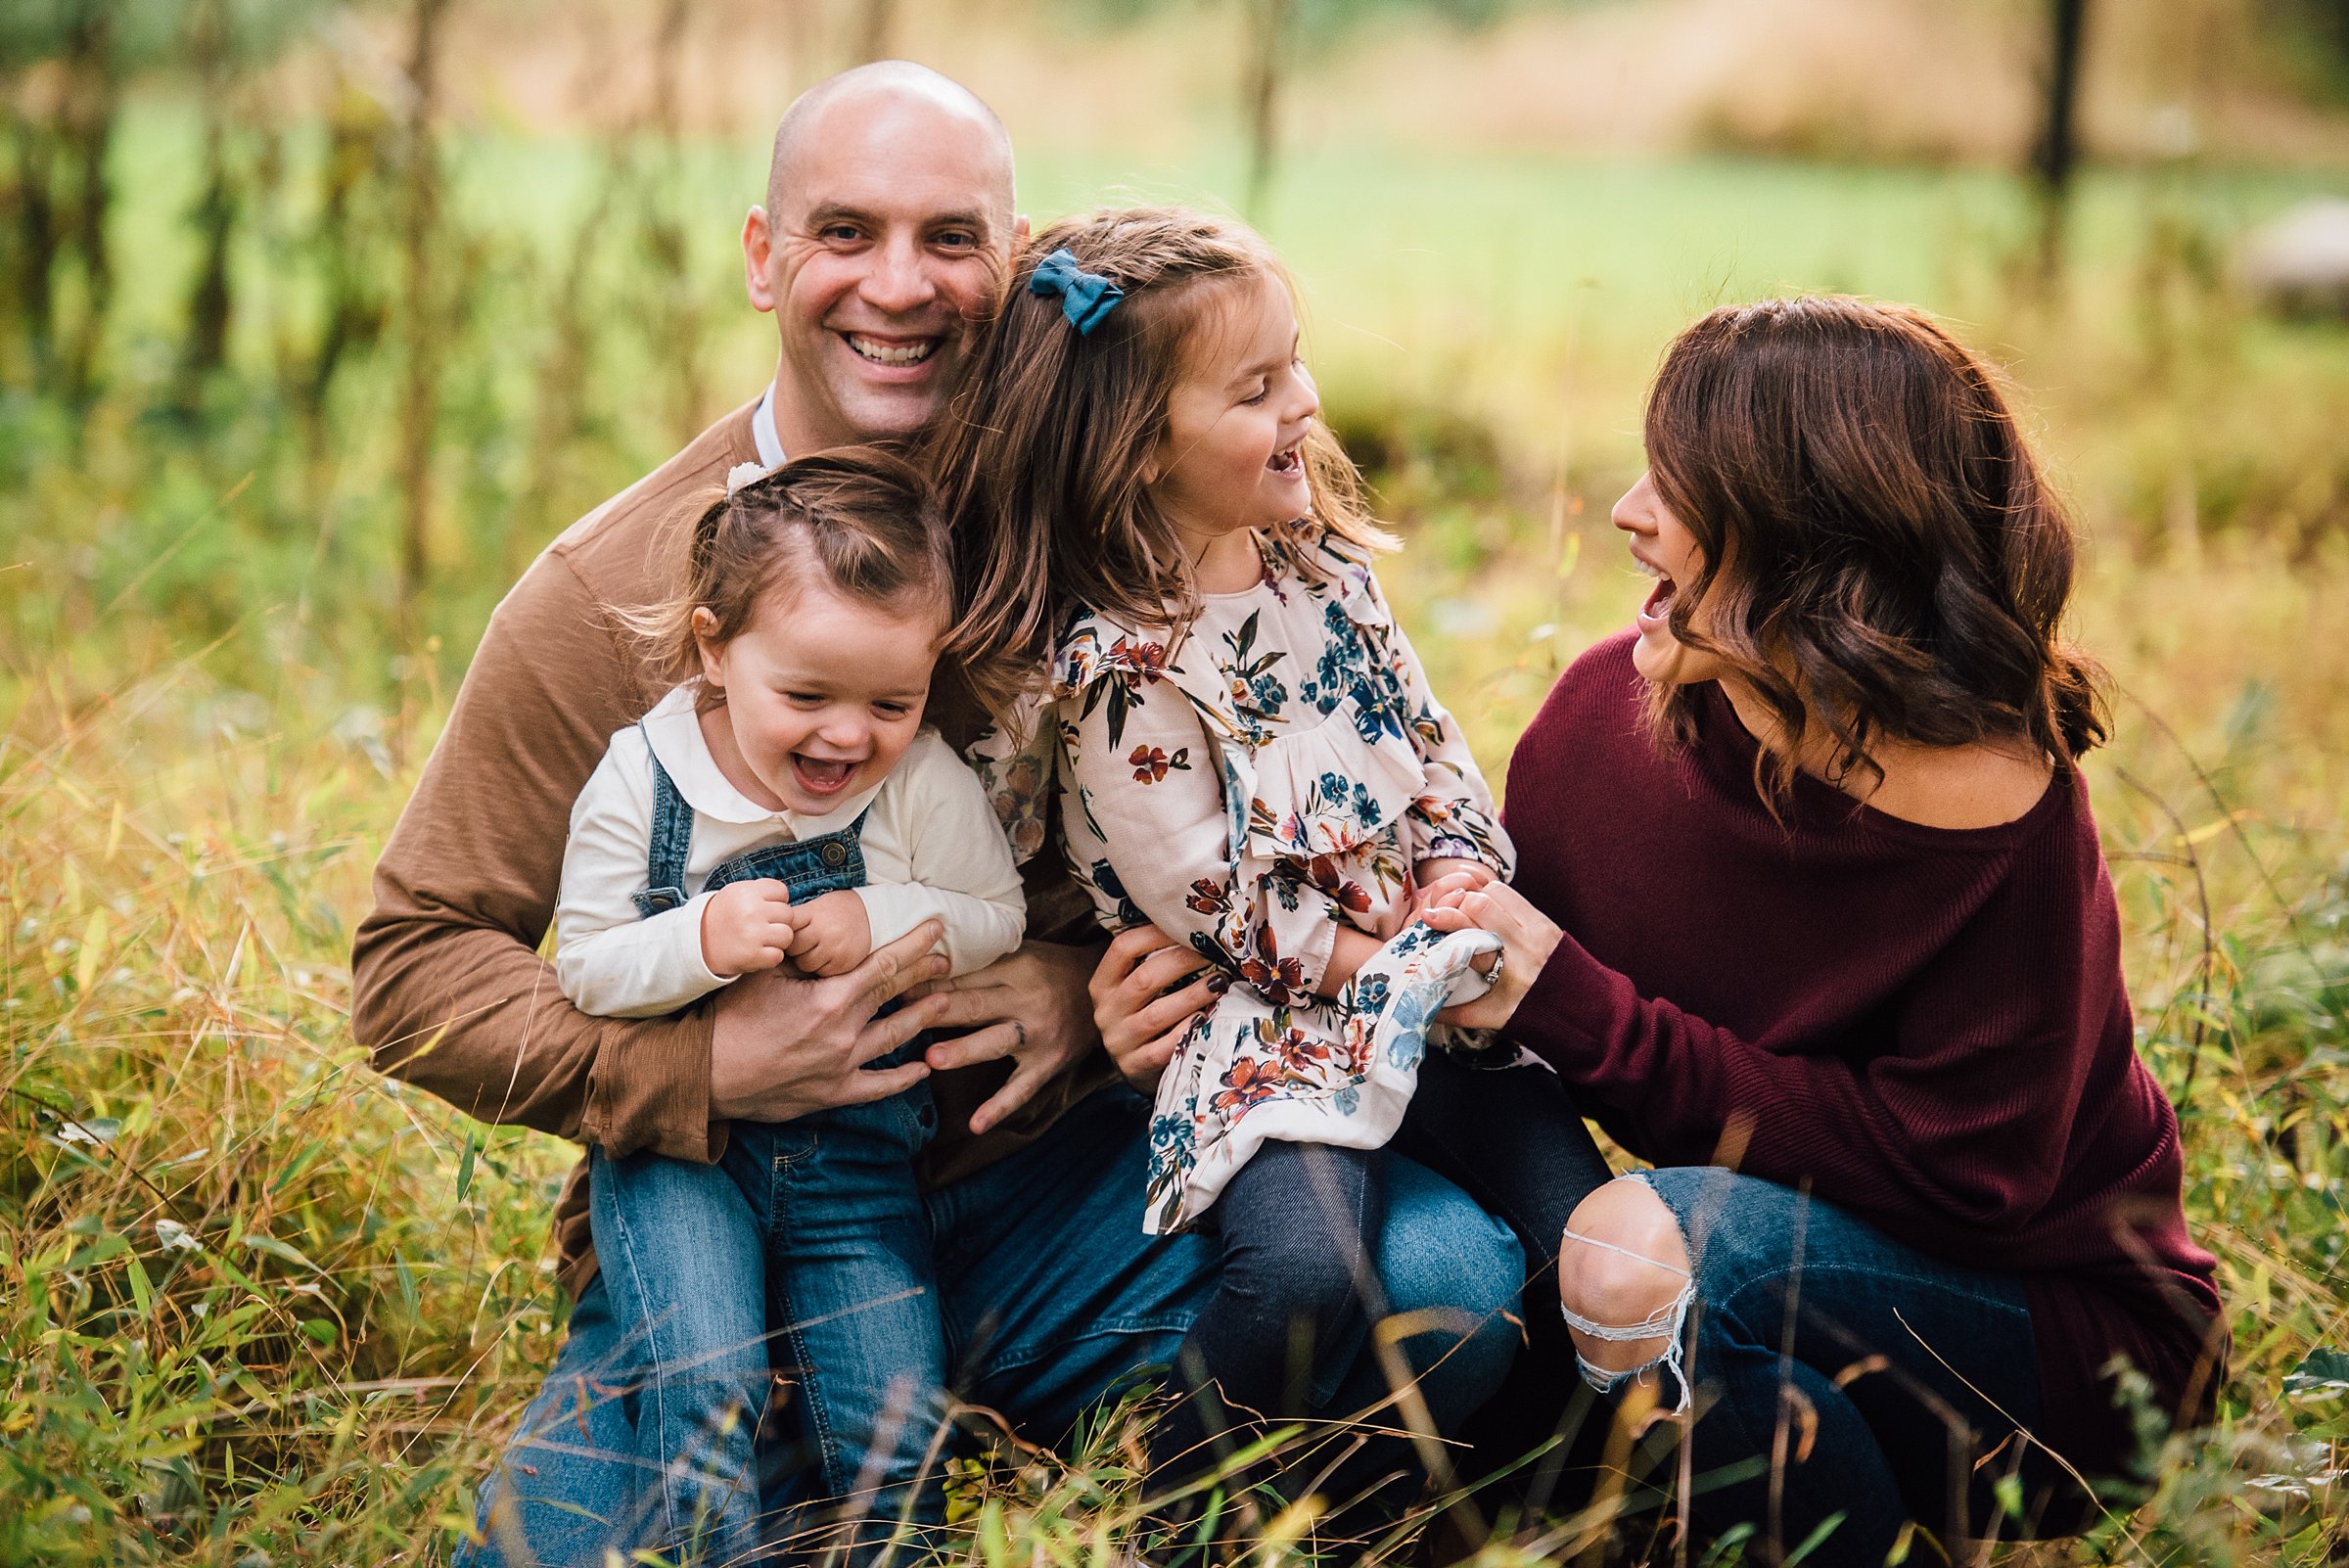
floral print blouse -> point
(1279, 770)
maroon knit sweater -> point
(1926, 1025)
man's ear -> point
(1021, 228)
(758, 251)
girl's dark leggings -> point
(1293, 1222)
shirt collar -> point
(673, 730)
(763, 430)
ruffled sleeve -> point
(1013, 760)
(1145, 825)
(1452, 815)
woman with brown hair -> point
(1810, 914)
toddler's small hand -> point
(834, 935)
(748, 926)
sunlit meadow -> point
(260, 1304)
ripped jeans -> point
(1894, 1383)
(1791, 1302)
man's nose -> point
(899, 280)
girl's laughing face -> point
(824, 693)
(1233, 455)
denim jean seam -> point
(784, 1159)
(654, 1369)
(1782, 1270)
(1779, 1272)
(1102, 1329)
(819, 1411)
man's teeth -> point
(887, 353)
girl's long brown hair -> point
(1040, 459)
(1881, 554)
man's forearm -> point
(476, 1018)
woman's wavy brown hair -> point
(1041, 459)
(1881, 556)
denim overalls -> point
(810, 1232)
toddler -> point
(784, 803)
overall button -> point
(836, 855)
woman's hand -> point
(1528, 937)
(1140, 1027)
(1028, 1007)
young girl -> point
(783, 803)
(1249, 754)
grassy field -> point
(261, 1306)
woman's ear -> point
(713, 652)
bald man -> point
(888, 226)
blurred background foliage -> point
(319, 317)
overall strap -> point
(671, 843)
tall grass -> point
(260, 1300)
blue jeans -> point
(1908, 1375)
(812, 1235)
(1050, 1295)
(1294, 1226)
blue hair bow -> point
(1085, 298)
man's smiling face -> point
(886, 237)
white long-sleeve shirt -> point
(932, 846)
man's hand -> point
(835, 934)
(748, 926)
(1029, 1006)
(1140, 1027)
(783, 1045)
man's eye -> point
(846, 233)
(959, 240)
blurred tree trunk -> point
(2057, 151)
(33, 250)
(93, 98)
(359, 139)
(876, 31)
(1268, 40)
(211, 305)
(563, 369)
(419, 391)
(678, 318)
